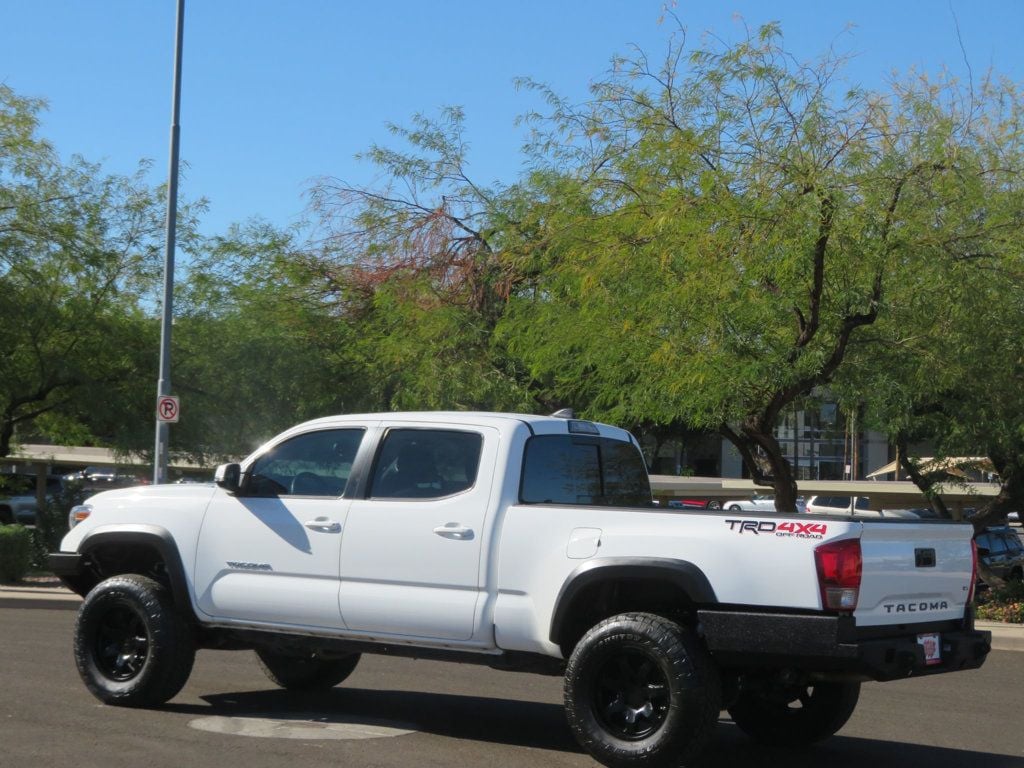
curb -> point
(52, 598)
(1005, 637)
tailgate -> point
(914, 572)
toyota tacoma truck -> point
(524, 543)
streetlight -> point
(163, 387)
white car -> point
(760, 503)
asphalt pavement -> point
(399, 713)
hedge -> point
(15, 552)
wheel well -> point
(116, 558)
(151, 554)
(602, 599)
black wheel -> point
(640, 689)
(714, 505)
(132, 647)
(788, 715)
(735, 508)
(305, 673)
(1017, 575)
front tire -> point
(132, 647)
(788, 715)
(641, 689)
(305, 673)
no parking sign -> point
(167, 409)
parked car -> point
(759, 503)
(839, 505)
(18, 497)
(1001, 551)
(94, 475)
(694, 504)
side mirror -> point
(228, 477)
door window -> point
(426, 464)
(312, 464)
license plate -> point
(932, 645)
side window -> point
(566, 469)
(1013, 543)
(426, 464)
(313, 464)
(998, 544)
(561, 470)
(862, 502)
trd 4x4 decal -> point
(787, 529)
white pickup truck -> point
(524, 543)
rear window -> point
(573, 469)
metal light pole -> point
(164, 383)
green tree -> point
(79, 251)
(415, 270)
(725, 226)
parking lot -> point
(397, 712)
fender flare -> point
(681, 573)
(153, 536)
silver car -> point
(759, 503)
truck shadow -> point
(540, 725)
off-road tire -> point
(305, 673)
(642, 690)
(795, 716)
(132, 646)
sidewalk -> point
(47, 592)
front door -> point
(269, 554)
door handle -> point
(323, 525)
(454, 531)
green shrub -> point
(15, 552)
(1005, 603)
(52, 524)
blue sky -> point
(276, 94)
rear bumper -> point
(833, 646)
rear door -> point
(914, 572)
(411, 554)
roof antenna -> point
(564, 413)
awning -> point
(951, 465)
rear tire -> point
(305, 673)
(132, 647)
(641, 690)
(785, 715)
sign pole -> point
(164, 382)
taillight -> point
(839, 570)
(974, 571)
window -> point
(997, 545)
(426, 464)
(313, 464)
(567, 469)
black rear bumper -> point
(828, 645)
